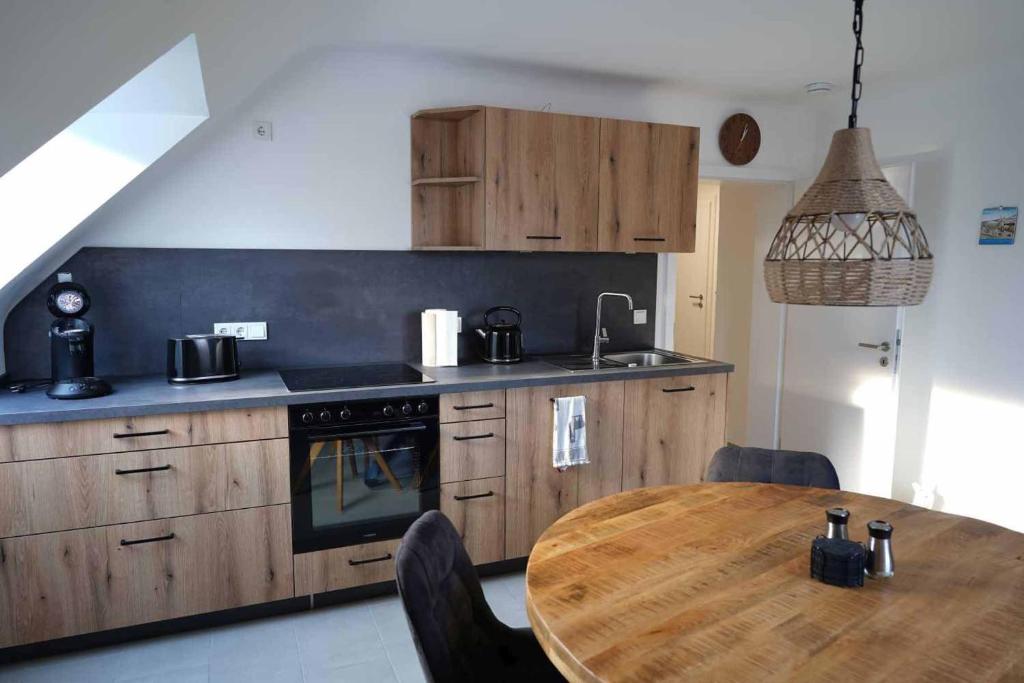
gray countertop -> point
(153, 395)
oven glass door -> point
(362, 484)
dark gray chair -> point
(799, 468)
(457, 636)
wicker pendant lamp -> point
(851, 240)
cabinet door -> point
(536, 494)
(542, 174)
(672, 428)
(477, 510)
(648, 186)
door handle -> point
(884, 347)
(699, 298)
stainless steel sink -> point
(645, 359)
(632, 359)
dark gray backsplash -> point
(329, 307)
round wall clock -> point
(739, 139)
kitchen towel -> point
(569, 437)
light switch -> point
(256, 331)
(640, 316)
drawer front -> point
(247, 424)
(472, 450)
(472, 405)
(63, 439)
(477, 509)
(114, 488)
(356, 565)
(57, 585)
(117, 435)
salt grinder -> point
(880, 563)
(837, 519)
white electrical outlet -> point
(244, 331)
(640, 316)
(263, 130)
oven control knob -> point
(423, 407)
(306, 417)
(389, 410)
(325, 415)
(345, 413)
(407, 408)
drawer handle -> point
(475, 495)
(676, 391)
(130, 435)
(480, 405)
(488, 435)
(648, 239)
(166, 537)
(356, 563)
(140, 470)
(543, 237)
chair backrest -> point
(450, 620)
(799, 468)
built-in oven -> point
(361, 471)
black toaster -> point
(202, 358)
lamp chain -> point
(858, 60)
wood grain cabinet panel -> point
(63, 439)
(648, 183)
(472, 450)
(94, 490)
(536, 494)
(542, 181)
(117, 435)
(64, 584)
(672, 428)
(477, 510)
(354, 565)
(473, 405)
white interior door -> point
(840, 397)
(695, 296)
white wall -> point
(336, 175)
(962, 383)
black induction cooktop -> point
(352, 376)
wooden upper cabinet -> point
(648, 186)
(542, 180)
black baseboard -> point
(154, 629)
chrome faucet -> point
(601, 334)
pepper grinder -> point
(880, 562)
(837, 520)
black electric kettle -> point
(502, 340)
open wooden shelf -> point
(452, 182)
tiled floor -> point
(361, 641)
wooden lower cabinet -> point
(472, 405)
(477, 510)
(672, 428)
(355, 565)
(64, 584)
(536, 494)
(472, 450)
(97, 490)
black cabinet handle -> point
(476, 495)
(356, 563)
(140, 470)
(488, 435)
(675, 391)
(543, 237)
(648, 239)
(148, 540)
(130, 435)
(481, 405)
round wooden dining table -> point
(712, 582)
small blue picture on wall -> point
(998, 225)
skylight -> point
(60, 184)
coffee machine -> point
(71, 344)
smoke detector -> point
(819, 88)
